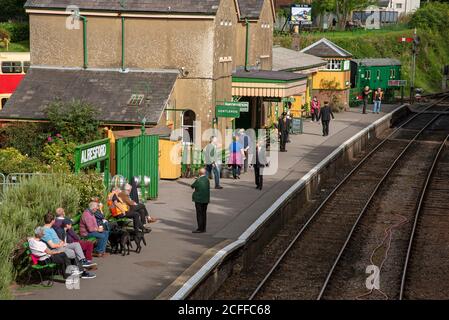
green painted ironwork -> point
(85, 56)
(247, 45)
(138, 157)
(123, 43)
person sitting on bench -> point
(46, 256)
(136, 207)
(120, 209)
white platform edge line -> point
(213, 262)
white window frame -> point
(334, 65)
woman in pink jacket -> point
(315, 109)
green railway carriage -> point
(374, 73)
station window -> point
(378, 74)
(3, 103)
(398, 5)
(136, 100)
(368, 74)
(11, 67)
(333, 64)
(392, 74)
(188, 123)
(26, 66)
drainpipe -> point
(84, 40)
(247, 44)
(123, 43)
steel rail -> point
(417, 214)
(345, 179)
(370, 199)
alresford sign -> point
(93, 154)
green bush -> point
(22, 209)
(88, 185)
(432, 16)
(28, 138)
(75, 121)
(59, 154)
(12, 161)
(19, 31)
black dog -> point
(120, 240)
(138, 237)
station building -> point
(335, 78)
(158, 62)
(299, 63)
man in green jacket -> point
(201, 197)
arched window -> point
(4, 100)
(188, 122)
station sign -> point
(271, 99)
(288, 99)
(244, 106)
(92, 153)
(397, 83)
(223, 111)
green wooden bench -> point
(35, 266)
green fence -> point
(137, 157)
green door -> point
(139, 156)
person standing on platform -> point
(315, 109)
(283, 127)
(261, 162)
(378, 97)
(325, 116)
(246, 142)
(236, 156)
(289, 117)
(201, 198)
(365, 96)
(212, 160)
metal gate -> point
(137, 157)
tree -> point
(341, 8)
(5, 38)
(12, 10)
(344, 9)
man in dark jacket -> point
(283, 127)
(201, 197)
(261, 162)
(325, 116)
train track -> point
(425, 274)
(313, 255)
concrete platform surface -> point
(172, 248)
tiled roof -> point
(108, 91)
(291, 60)
(382, 62)
(268, 75)
(208, 7)
(326, 49)
(250, 9)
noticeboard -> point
(397, 83)
(301, 14)
(297, 125)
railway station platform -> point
(173, 253)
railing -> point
(14, 179)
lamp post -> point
(416, 42)
(142, 152)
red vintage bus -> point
(13, 66)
